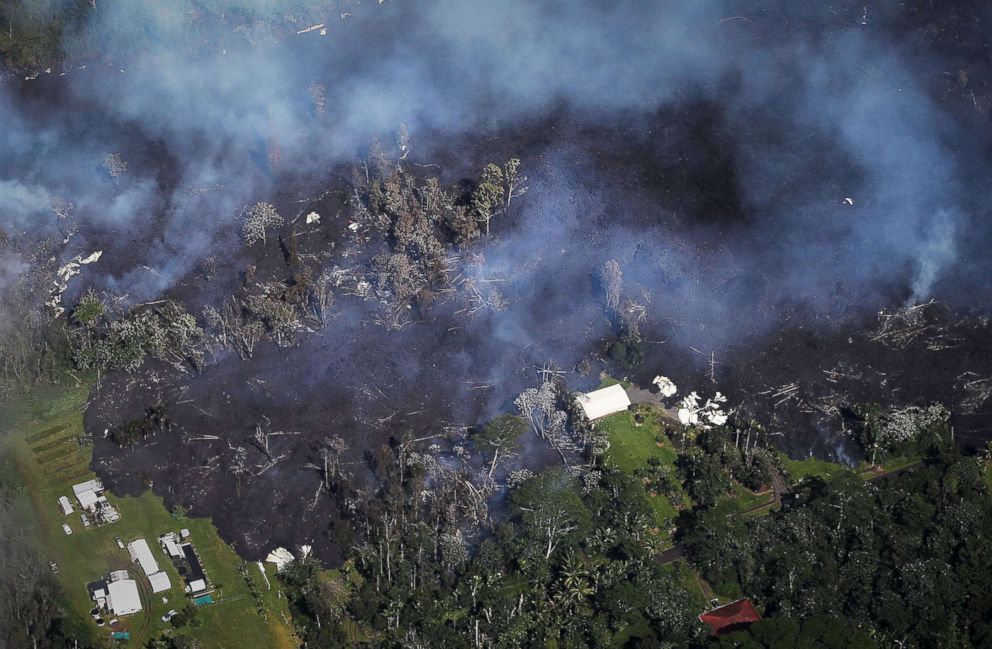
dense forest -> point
(900, 561)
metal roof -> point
(124, 597)
(87, 498)
(159, 581)
(603, 402)
(142, 555)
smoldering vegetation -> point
(767, 180)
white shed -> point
(603, 402)
(142, 555)
(196, 586)
(65, 505)
(172, 549)
(159, 581)
(124, 597)
(87, 499)
(89, 485)
(117, 575)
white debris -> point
(353, 227)
(323, 32)
(261, 569)
(313, 217)
(305, 551)
(848, 201)
(689, 410)
(281, 557)
(66, 273)
(706, 416)
(665, 385)
(312, 28)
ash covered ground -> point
(797, 197)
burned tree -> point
(515, 182)
(612, 280)
(500, 437)
(115, 166)
(487, 199)
(318, 95)
(257, 219)
(332, 448)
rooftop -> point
(159, 581)
(732, 617)
(142, 555)
(124, 597)
(603, 402)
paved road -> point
(670, 555)
(638, 395)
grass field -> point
(40, 435)
(607, 381)
(745, 501)
(630, 448)
(799, 469)
(896, 463)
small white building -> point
(87, 499)
(142, 555)
(65, 505)
(169, 543)
(196, 586)
(123, 597)
(159, 581)
(93, 485)
(605, 401)
(172, 549)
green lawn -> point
(896, 463)
(607, 381)
(799, 469)
(744, 500)
(40, 434)
(630, 448)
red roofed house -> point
(735, 616)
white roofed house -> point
(142, 555)
(93, 485)
(159, 581)
(123, 597)
(91, 499)
(169, 543)
(87, 499)
(605, 401)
